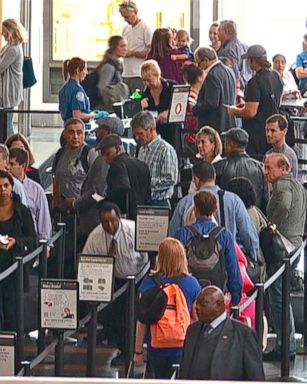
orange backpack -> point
(170, 330)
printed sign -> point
(179, 103)
(151, 228)
(59, 304)
(95, 277)
(7, 353)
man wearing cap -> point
(128, 179)
(95, 183)
(138, 36)
(237, 163)
(217, 91)
(232, 48)
(262, 99)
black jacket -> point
(237, 355)
(239, 164)
(24, 233)
(128, 184)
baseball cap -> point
(254, 51)
(237, 135)
(112, 123)
(108, 142)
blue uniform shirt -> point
(72, 97)
(234, 280)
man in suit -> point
(128, 179)
(217, 347)
(217, 90)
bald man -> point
(217, 347)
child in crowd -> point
(183, 45)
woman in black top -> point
(157, 97)
(18, 238)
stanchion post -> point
(59, 354)
(235, 312)
(259, 313)
(61, 251)
(285, 319)
(27, 367)
(130, 321)
(75, 242)
(3, 127)
(41, 341)
(19, 312)
(305, 297)
(91, 343)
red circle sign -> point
(178, 108)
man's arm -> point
(177, 219)
(234, 280)
(246, 230)
(252, 357)
(168, 171)
(209, 97)
(281, 207)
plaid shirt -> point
(162, 162)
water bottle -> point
(137, 95)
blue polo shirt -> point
(301, 61)
(234, 280)
(72, 97)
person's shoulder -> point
(128, 225)
(166, 146)
(97, 231)
(239, 326)
(290, 151)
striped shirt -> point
(162, 162)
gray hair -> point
(143, 119)
(229, 27)
(4, 152)
(203, 53)
(282, 160)
(74, 121)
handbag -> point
(29, 78)
(274, 245)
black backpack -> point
(206, 259)
(150, 307)
(90, 86)
(83, 158)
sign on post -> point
(95, 277)
(151, 228)
(179, 103)
(7, 353)
(59, 304)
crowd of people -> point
(241, 175)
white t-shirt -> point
(138, 38)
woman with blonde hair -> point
(172, 267)
(209, 144)
(18, 140)
(11, 61)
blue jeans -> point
(275, 295)
(162, 365)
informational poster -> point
(95, 277)
(7, 353)
(59, 304)
(151, 228)
(179, 103)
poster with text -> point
(95, 277)
(151, 228)
(179, 103)
(7, 354)
(59, 304)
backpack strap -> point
(157, 279)
(84, 155)
(216, 231)
(193, 230)
(221, 194)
